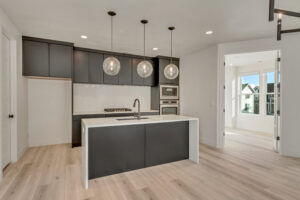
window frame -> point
(265, 90)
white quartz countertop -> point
(102, 112)
(113, 121)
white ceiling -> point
(238, 60)
(66, 20)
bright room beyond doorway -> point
(251, 105)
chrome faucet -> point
(139, 108)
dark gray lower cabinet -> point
(76, 133)
(166, 142)
(115, 149)
(118, 149)
(76, 127)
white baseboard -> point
(21, 152)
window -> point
(270, 93)
(250, 90)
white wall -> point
(49, 111)
(19, 89)
(290, 111)
(198, 91)
(94, 98)
(233, 117)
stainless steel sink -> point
(132, 118)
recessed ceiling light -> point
(209, 32)
(84, 37)
(230, 64)
(155, 48)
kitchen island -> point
(115, 145)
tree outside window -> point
(250, 92)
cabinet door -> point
(35, 58)
(61, 59)
(162, 79)
(95, 68)
(136, 79)
(107, 79)
(125, 75)
(166, 142)
(115, 149)
(150, 81)
(81, 62)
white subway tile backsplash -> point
(89, 97)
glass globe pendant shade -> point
(171, 71)
(111, 66)
(144, 69)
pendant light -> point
(111, 65)
(144, 68)
(171, 70)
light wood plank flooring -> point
(243, 170)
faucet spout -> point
(139, 107)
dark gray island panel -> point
(166, 142)
(115, 149)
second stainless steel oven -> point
(169, 107)
(169, 91)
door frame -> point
(13, 94)
(259, 45)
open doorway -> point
(252, 93)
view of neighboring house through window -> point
(250, 94)
(270, 93)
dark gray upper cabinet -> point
(162, 63)
(81, 66)
(61, 59)
(125, 74)
(95, 68)
(47, 58)
(35, 58)
(108, 79)
(150, 81)
(136, 79)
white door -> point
(5, 102)
(277, 104)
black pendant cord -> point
(171, 46)
(144, 22)
(111, 34)
(144, 41)
(111, 14)
(171, 29)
